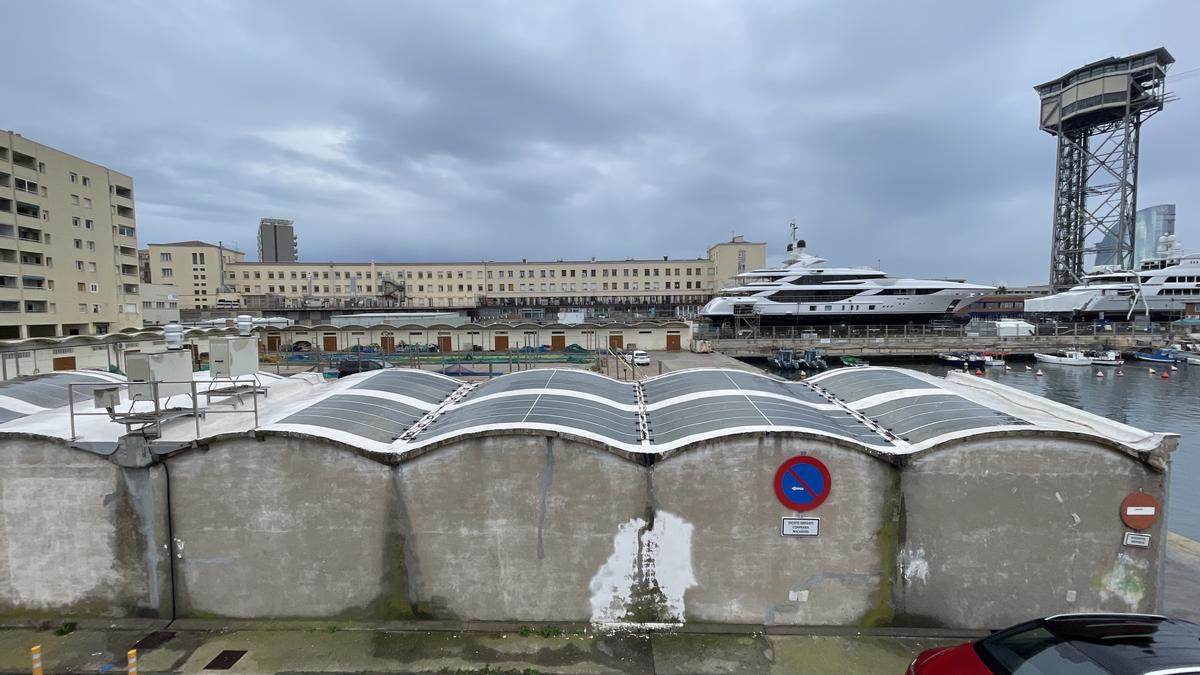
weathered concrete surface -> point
(1000, 530)
(80, 536)
(517, 527)
(286, 528)
(745, 571)
(331, 650)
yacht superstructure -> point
(1160, 287)
(804, 291)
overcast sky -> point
(898, 132)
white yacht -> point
(1161, 287)
(804, 291)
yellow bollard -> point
(132, 662)
(35, 655)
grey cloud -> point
(899, 132)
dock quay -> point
(929, 340)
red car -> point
(1074, 644)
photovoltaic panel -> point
(854, 384)
(719, 413)
(568, 412)
(920, 418)
(50, 390)
(413, 383)
(371, 417)
(567, 380)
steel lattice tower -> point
(1096, 112)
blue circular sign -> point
(802, 483)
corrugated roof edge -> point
(1043, 415)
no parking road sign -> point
(802, 483)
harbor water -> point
(1136, 398)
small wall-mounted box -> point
(106, 397)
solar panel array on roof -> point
(920, 418)
(681, 420)
(568, 380)
(371, 417)
(855, 384)
(413, 383)
(50, 390)
(700, 381)
(566, 411)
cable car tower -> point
(1096, 112)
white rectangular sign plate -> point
(1140, 511)
(1137, 539)
(800, 527)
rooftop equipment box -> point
(173, 366)
(233, 356)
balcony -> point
(127, 251)
(37, 307)
(28, 258)
(24, 161)
(10, 306)
(129, 289)
(123, 192)
(33, 283)
(124, 212)
(8, 231)
(29, 210)
(29, 234)
(129, 270)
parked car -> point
(638, 358)
(354, 365)
(1080, 644)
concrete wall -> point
(285, 528)
(80, 536)
(521, 528)
(745, 571)
(525, 527)
(1001, 530)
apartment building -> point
(160, 304)
(195, 269)
(68, 244)
(277, 241)
(470, 285)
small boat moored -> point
(1154, 356)
(965, 360)
(994, 359)
(1065, 357)
(1105, 357)
(853, 361)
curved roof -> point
(400, 412)
(29, 395)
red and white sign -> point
(1140, 510)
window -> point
(87, 181)
(75, 221)
(164, 257)
(74, 177)
(82, 305)
(88, 224)
(79, 244)
(91, 267)
(91, 245)
(93, 287)
(168, 272)
(87, 202)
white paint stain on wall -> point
(914, 566)
(1126, 581)
(662, 555)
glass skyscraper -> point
(1150, 224)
